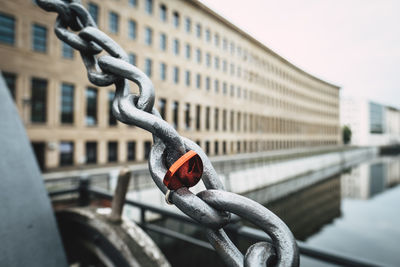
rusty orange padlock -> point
(185, 172)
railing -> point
(85, 193)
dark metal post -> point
(83, 189)
(142, 216)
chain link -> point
(212, 207)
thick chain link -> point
(212, 207)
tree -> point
(346, 134)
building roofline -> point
(232, 26)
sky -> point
(351, 43)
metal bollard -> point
(118, 201)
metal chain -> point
(212, 207)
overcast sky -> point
(351, 43)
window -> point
(224, 147)
(232, 121)
(207, 118)
(91, 106)
(112, 148)
(188, 25)
(163, 41)
(147, 149)
(216, 86)
(216, 63)
(198, 55)
(224, 66)
(163, 12)
(216, 148)
(198, 117)
(216, 119)
(10, 79)
(176, 74)
(188, 51)
(132, 58)
(176, 19)
(113, 22)
(198, 81)
(163, 71)
(187, 78)
(133, 3)
(38, 100)
(67, 103)
(176, 46)
(39, 38)
(238, 121)
(232, 69)
(148, 66)
(111, 118)
(175, 112)
(198, 30)
(149, 7)
(94, 12)
(376, 118)
(216, 39)
(67, 51)
(162, 105)
(208, 83)
(207, 147)
(148, 36)
(239, 90)
(91, 152)
(232, 90)
(66, 153)
(208, 35)
(232, 48)
(224, 88)
(7, 29)
(224, 114)
(131, 151)
(208, 59)
(132, 29)
(187, 116)
(225, 44)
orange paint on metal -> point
(186, 171)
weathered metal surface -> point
(92, 239)
(168, 145)
(28, 232)
(118, 201)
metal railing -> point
(84, 193)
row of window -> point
(325, 108)
(7, 33)
(38, 101)
(67, 150)
(39, 43)
(38, 36)
(250, 122)
(241, 121)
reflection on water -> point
(368, 180)
(305, 212)
(355, 213)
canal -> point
(355, 213)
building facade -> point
(371, 123)
(216, 84)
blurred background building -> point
(215, 83)
(371, 123)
